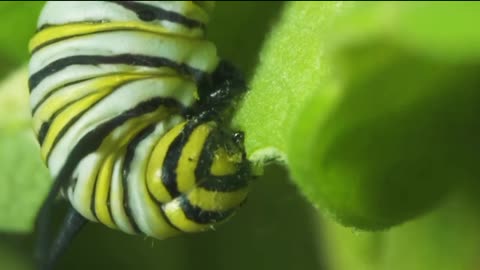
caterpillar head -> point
(199, 174)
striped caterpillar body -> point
(125, 105)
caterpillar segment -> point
(129, 104)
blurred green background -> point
(370, 110)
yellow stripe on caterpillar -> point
(155, 165)
(189, 157)
(61, 32)
(217, 200)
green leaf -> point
(446, 239)
(23, 177)
(372, 108)
(289, 70)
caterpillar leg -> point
(72, 224)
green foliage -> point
(23, 177)
(372, 108)
(367, 119)
(445, 239)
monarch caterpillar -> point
(130, 105)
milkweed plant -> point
(361, 122)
